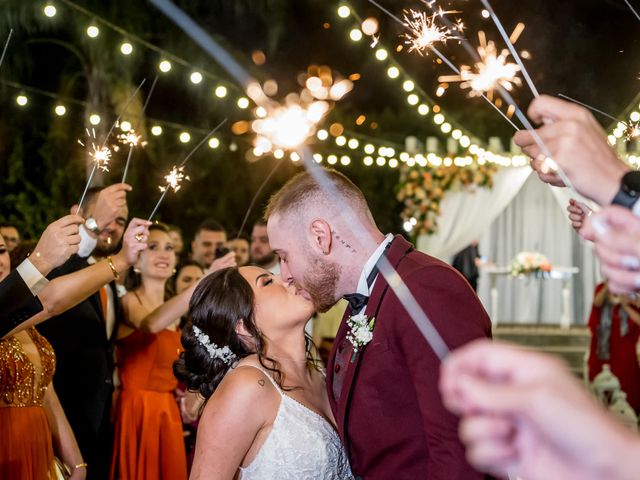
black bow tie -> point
(356, 301)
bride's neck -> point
(289, 350)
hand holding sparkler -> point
(615, 233)
(524, 414)
(577, 144)
(110, 201)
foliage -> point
(422, 189)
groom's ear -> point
(321, 232)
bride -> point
(267, 413)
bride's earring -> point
(136, 270)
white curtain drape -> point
(519, 213)
(467, 215)
(536, 220)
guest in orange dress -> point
(32, 422)
(149, 440)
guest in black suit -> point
(18, 292)
(82, 336)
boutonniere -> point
(360, 332)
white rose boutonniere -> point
(360, 332)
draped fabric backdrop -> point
(520, 213)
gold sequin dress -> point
(27, 363)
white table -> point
(564, 274)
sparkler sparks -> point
(424, 32)
(101, 157)
(493, 70)
(131, 138)
(632, 131)
(175, 177)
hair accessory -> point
(223, 353)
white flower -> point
(360, 332)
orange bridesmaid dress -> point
(26, 452)
(149, 442)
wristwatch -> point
(91, 225)
(629, 192)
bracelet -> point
(81, 465)
(116, 275)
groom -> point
(384, 396)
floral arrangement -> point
(360, 332)
(422, 189)
(526, 263)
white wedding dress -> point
(302, 445)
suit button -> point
(337, 368)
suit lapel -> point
(398, 249)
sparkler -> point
(6, 45)
(101, 156)
(441, 14)
(512, 49)
(424, 32)
(635, 12)
(177, 175)
(133, 144)
(492, 70)
(632, 129)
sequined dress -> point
(26, 369)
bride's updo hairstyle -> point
(217, 305)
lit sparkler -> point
(424, 32)
(177, 175)
(492, 70)
(101, 156)
(131, 138)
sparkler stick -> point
(444, 59)
(177, 173)
(511, 48)
(6, 45)
(632, 129)
(635, 12)
(144, 109)
(419, 317)
(124, 109)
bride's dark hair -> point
(217, 305)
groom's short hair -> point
(304, 190)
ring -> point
(139, 237)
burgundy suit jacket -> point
(386, 402)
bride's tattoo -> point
(261, 382)
(343, 242)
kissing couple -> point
(271, 412)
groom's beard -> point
(320, 282)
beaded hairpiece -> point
(223, 353)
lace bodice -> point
(302, 445)
(23, 383)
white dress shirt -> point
(31, 276)
(369, 265)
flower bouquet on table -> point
(530, 263)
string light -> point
(341, 141)
(243, 102)
(413, 99)
(353, 143)
(278, 153)
(423, 109)
(345, 160)
(185, 137)
(408, 86)
(164, 66)
(126, 48)
(22, 100)
(382, 54)
(60, 110)
(50, 10)
(156, 130)
(196, 78)
(214, 143)
(355, 34)
(94, 119)
(322, 134)
(332, 159)
(220, 91)
(393, 72)
(93, 31)
(343, 11)
(125, 126)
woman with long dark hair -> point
(267, 413)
